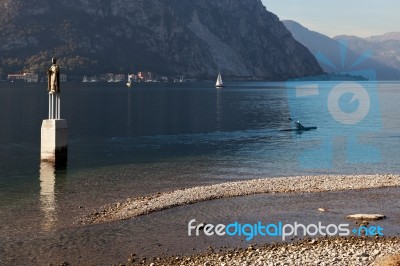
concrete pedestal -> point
(54, 141)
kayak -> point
(300, 129)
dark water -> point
(159, 137)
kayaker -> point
(299, 126)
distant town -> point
(106, 77)
(139, 77)
(30, 77)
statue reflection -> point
(49, 174)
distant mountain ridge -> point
(390, 36)
(385, 48)
(194, 38)
(383, 58)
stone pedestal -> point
(54, 141)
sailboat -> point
(129, 83)
(219, 83)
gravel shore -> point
(324, 251)
(300, 184)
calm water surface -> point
(159, 137)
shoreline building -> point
(145, 76)
(63, 77)
(26, 77)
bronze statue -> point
(53, 87)
(53, 75)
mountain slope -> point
(390, 36)
(385, 48)
(320, 44)
(197, 38)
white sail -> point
(219, 82)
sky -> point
(362, 18)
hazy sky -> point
(336, 17)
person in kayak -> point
(299, 126)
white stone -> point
(54, 139)
(366, 216)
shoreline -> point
(299, 184)
(321, 251)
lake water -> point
(160, 137)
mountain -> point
(385, 49)
(342, 54)
(197, 38)
(390, 36)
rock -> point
(371, 217)
(376, 253)
(364, 223)
(202, 225)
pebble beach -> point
(300, 184)
(379, 251)
(323, 251)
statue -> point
(54, 132)
(53, 75)
(53, 87)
